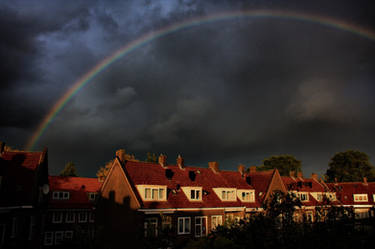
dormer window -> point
(360, 198)
(193, 193)
(226, 194)
(246, 195)
(331, 196)
(93, 196)
(152, 192)
(303, 196)
(60, 195)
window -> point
(48, 238)
(14, 227)
(70, 217)
(82, 217)
(92, 217)
(93, 196)
(68, 235)
(32, 227)
(303, 196)
(331, 196)
(166, 222)
(360, 198)
(154, 193)
(246, 195)
(216, 220)
(319, 197)
(309, 216)
(200, 226)
(195, 194)
(373, 197)
(59, 237)
(60, 195)
(57, 217)
(183, 225)
(151, 227)
(228, 195)
(361, 213)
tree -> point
(151, 157)
(69, 170)
(284, 164)
(350, 166)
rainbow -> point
(141, 41)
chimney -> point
(214, 166)
(121, 155)
(2, 147)
(314, 176)
(163, 160)
(292, 173)
(241, 169)
(253, 169)
(180, 162)
(299, 174)
(365, 181)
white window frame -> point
(242, 192)
(154, 192)
(80, 220)
(54, 217)
(195, 191)
(224, 193)
(60, 195)
(91, 217)
(166, 222)
(59, 237)
(48, 238)
(153, 221)
(300, 194)
(373, 197)
(357, 197)
(92, 196)
(71, 219)
(32, 227)
(203, 233)
(183, 220)
(218, 221)
(68, 235)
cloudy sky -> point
(233, 91)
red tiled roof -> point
(346, 190)
(302, 184)
(153, 174)
(78, 188)
(261, 180)
(19, 177)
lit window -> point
(360, 197)
(70, 217)
(151, 227)
(216, 220)
(183, 225)
(57, 217)
(59, 236)
(303, 196)
(82, 217)
(48, 238)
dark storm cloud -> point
(233, 91)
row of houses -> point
(147, 199)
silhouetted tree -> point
(284, 163)
(350, 166)
(69, 170)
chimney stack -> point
(365, 181)
(253, 169)
(299, 174)
(214, 166)
(292, 173)
(314, 176)
(120, 154)
(241, 169)
(180, 162)
(163, 160)
(2, 147)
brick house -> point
(23, 202)
(71, 211)
(186, 201)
